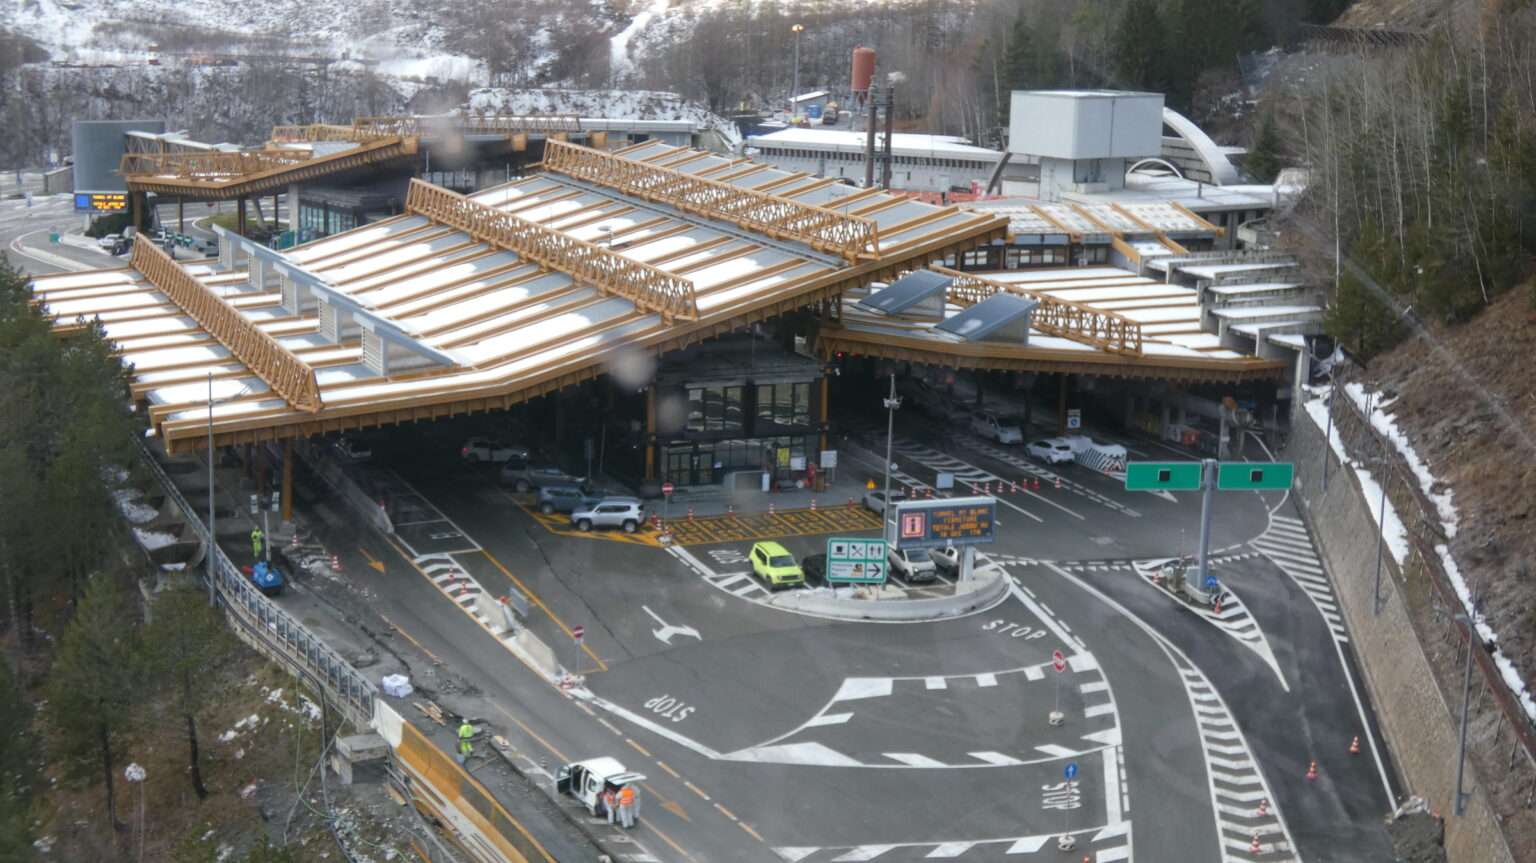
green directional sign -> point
(1162, 476)
(1254, 476)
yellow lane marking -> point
(530, 732)
(637, 747)
(663, 766)
(534, 598)
(646, 824)
(695, 789)
(561, 526)
(755, 835)
(419, 646)
(726, 812)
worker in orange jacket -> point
(628, 804)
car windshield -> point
(781, 560)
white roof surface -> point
(904, 143)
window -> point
(783, 406)
(714, 409)
(977, 259)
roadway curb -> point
(989, 586)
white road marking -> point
(950, 849)
(1096, 686)
(668, 631)
(828, 719)
(913, 759)
(1057, 751)
(1034, 672)
(863, 852)
(985, 680)
(794, 854)
(1098, 710)
(854, 688)
(1083, 662)
(1050, 622)
(1112, 812)
(997, 758)
(1028, 845)
(808, 754)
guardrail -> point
(1102, 329)
(852, 237)
(284, 372)
(646, 286)
(267, 626)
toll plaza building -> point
(652, 256)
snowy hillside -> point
(636, 104)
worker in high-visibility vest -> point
(628, 804)
(256, 539)
(610, 805)
(466, 731)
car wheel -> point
(523, 485)
(546, 508)
(629, 526)
(584, 525)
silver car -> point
(625, 512)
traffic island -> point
(987, 586)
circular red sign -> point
(666, 489)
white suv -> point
(912, 565)
(482, 449)
(625, 512)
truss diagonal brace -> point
(287, 375)
(1101, 329)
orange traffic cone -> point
(1253, 847)
(690, 515)
(813, 504)
(335, 563)
(1036, 484)
(1218, 605)
(1312, 770)
(770, 509)
(1354, 746)
(1015, 487)
(850, 503)
(1058, 483)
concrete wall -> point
(1420, 727)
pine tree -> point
(1140, 43)
(91, 689)
(16, 769)
(184, 644)
(1263, 161)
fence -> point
(1435, 603)
(266, 626)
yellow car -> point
(775, 565)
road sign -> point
(1247, 475)
(578, 632)
(1059, 661)
(667, 488)
(1211, 583)
(1070, 771)
(944, 522)
(1074, 419)
(856, 560)
(1162, 476)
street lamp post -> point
(797, 30)
(213, 543)
(891, 404)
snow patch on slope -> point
(614, 104)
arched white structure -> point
(1197, 148)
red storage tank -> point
(863, 68)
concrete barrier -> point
(986, 588)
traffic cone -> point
(1036, 485)
(1015, 486)
(730, 510)
(850, 503)
(690, 515)
(1218, 605)
(1312, 770)
(813, 504)
(1354, 746)
(930, 492)
(335, 563)
(1253, 847)
(1263, 808)
(1058, 483)
(770, 508)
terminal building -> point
(714, 306)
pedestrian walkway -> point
(1289, 546)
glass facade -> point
(734, 427)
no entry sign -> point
(578, 632)
(1059, 661)
(666, 489)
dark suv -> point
(562, 497)
(523, 476)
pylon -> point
(335, 563)
(813, 504)
(1354, 746)
(730, 510)
(1058, 483)
(295, 542)
(1036, 485)
(987, 487)
(1015, 486)
(1312, 770)
(1253, 847)
(930, 492)
(850, 503)
(1263, 808)
(690, 515)
(655, 521)
(1218, 605)
(770, 509)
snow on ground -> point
(153, 539)
(132, 508)
(1397, 535)
(613, 104)
(619, 60)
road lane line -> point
(666, 802)
(647, 825)
(530, 732)
(610, 726)
(750, 832)
(695, 789)
(534, 598)
(726, 812)
(638, 748)
(1037, 611)
(912, 759)
(419, 646)
(1112, 813)
(673, 773)
(828, 719)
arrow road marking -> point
(667, 631)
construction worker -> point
(256, 539)
(610, 805)
(466, 731)
(627, 806)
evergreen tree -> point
(1140, 43)
(1263, 160)
(184, 643)
(16, 769)
(92, 687)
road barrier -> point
(269, 628)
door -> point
(680, 466)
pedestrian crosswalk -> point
(1231, 617)
(1245, 808)
(1289, 546)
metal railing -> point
(471, 124)
(1102, 329)
(647, 287)
(268, 626)
(853, 237)
(314, 132)
(284, 372)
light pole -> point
(797, 30)
(892, 402)
(213, 543)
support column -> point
(287, 513)
(650, 432)
(1061, 407)
(240, 215)
(823, 411)
(181, 216)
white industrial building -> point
(926, 163)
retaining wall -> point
(1420, 726)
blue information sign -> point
(1071, 771)
(1210, 582)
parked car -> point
(563, 497)
(107, 241)
(946, 559)
(1051, 450)
(912, 565)
(988, 425)
(775, 565)
(353, 449)
(625, 512)
(874, 501)
(814, 568)
(522, 476)
(483, 449)
(588, 780)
